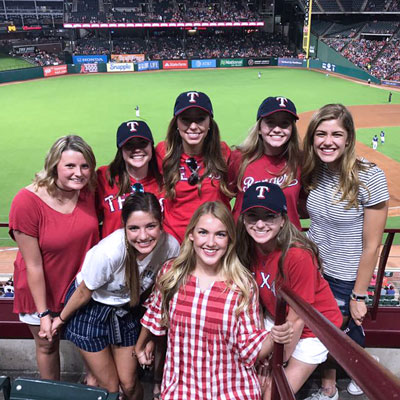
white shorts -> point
(30, 319)
(308, 350)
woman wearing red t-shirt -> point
(54, 223)
(270, 153)
(134, 169)
(193, 161)
(277, 252)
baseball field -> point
(34, 114)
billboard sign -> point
(120, 67)
(83, 59)
(204, 63)
(175, 64)
(55, 70)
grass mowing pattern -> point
(37, 112)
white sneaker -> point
(353, 388)
(320, 395)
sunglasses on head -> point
(193, 167)
(137, 188)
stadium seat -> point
(5, 387)
(40, 389)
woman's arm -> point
(374, 224)
(279, 334)
(298, 325)
(144, 347)
(80, 297)
(29, 248)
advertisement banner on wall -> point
(290, 62)
(148, 65)
(328, 67)
(231, 62)
(83, 59)
(391, 83)
(258, 62)
(175, 64)
(89, 68)
(204, 63)
(127, 58)
(122, 67)
(55, 70)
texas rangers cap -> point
(272, 105)
(133, 129)
(264, 195)
(193, 99)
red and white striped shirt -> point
(211, 350)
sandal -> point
(157, 396)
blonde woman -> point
(347, 203)
(54, 223)
(208, 303)
(270, 153)
(102, 313)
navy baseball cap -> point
(192, 99)
(272, 105)
(133, 129)
(264, 195)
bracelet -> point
(62, 320)
(358, 297)
(44, 313)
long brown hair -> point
(145, 202)
(350, 166)
(214, 162)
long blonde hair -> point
(235, 273)
(252, 149)
(145, 202)
(48, 175)
(350, 166)
(214, 162)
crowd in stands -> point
(163, 11)
(228, 44)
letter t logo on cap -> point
(132, 125)
(282, 101)
(192, 96)
(261, 191)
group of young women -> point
(166, 225)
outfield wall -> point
(92, 65)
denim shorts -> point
(341, 291)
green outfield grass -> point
(391, 148)
(35, 113)
(7, 63)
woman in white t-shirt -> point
(102, 305)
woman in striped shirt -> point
(347, 203)
(208, 302)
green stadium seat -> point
(41, 389)
(5, 387)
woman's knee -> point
(48, 348)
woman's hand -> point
(145, 356)
(56, 325)
(358, 309)
(263, 369)
(45, 331)
(282, 334)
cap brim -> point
(194, 106)
(134, 137)
(265, 208)
(273, 112)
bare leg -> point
(101, 364)
(47, 355)
(126, 365)
(159, 360)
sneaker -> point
(320, 395)
(353, 388)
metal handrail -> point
(376, 381)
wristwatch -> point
(359, 297)
(44, 313)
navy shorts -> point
(96, 325)
(341, 292)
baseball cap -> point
(133, 129)
(264, 195)
(192, 99)
(272, 105)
